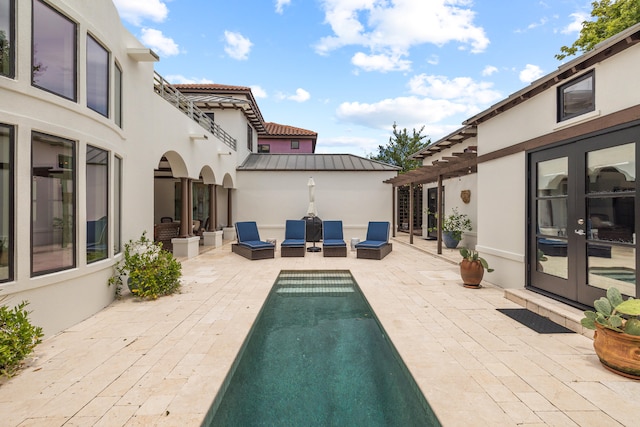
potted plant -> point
(149, 270)
(616, 339)
(452, 227)
(472, 268)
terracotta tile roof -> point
(276, 129)
(211, 86)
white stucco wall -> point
(270, 198)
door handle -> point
(579, 232)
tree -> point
(400, 147)
(611, 17)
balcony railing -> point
(184, 104)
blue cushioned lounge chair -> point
(377, 245)
(333, 244)
(249, 244)
(295, 234)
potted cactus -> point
(472, 268)
(616, 339)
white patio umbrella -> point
(311, 211)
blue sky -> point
(349, 69)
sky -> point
(350, 69)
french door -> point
(583, 215)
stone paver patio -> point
(160, 363)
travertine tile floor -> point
(160, 363)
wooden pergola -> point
(457, 164)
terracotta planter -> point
(471, 273)
(618, 352)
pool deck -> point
(160, 363)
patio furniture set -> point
(251, 246)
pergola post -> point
(411, 213)
(440, 214)
(394, 196)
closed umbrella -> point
(311, 211)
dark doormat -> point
(540, 324)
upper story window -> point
(53, 61)
(97, 77)
(250, 138)
(295, 144)
(577, 97)
(6, 38)
(264, 148)
(117, 96)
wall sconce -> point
(196, 136)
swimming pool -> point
(317, 356)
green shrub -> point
(18, 337)
(149, 270)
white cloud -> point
(575, 25)
(489, 70)
(258, 92)
(392, 28)
(238, 46)
(280, 4)
(412, 110)
(433, 60)
(136, 11)
(463, 90)
(530, 73)
(300, 96)
(380, 62)
(180, 79)
(158, 42)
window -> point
(97, 203)
(249, 138)
(264, 148)
(6, 203)
(53, 63)
(53, 208)
(117, 205)
(576, 97)
(97, 77)
(295, 144)
(117, 94)
(7, 51)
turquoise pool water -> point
(317, 356)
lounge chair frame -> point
(374, 253)
(294, 245)
(376, 246)
(252, 254)
(253, 248)
(330, 246)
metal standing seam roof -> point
(313, 162)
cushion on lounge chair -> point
(294, 233)
(256, 244)
(377, 235)
(247, 231)
(332, 234)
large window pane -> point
(53, 204)
(97, 77)
(6, 38)
(97, 203)
(54, 51)
(117, 205)
(6, 203)
(117, 93)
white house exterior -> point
(554, 205)
(96, 148)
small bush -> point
(149, 270)
(18, 338)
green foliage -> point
(473, 256)
(18, 337)
(611, 17)
(149, 270)
(455, 223)
(400, 147)
(615, 313)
